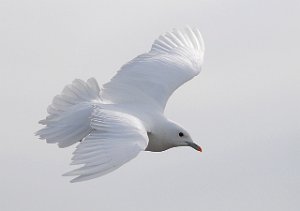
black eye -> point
(180, 134)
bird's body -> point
(114, 123)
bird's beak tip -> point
(195, 146)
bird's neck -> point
(158, 136)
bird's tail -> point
(68, 119)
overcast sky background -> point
(243, 109)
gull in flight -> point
(112, 124)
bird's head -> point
(180, 137)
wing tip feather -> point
(188, 37)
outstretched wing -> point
(175, 58)
(115, 139)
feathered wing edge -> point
(115, 139)
(189, 38)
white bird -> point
(113, 124)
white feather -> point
(68, 120)
(108, 152)
(151, 78)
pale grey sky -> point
(243, 108)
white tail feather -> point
(69, 114)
